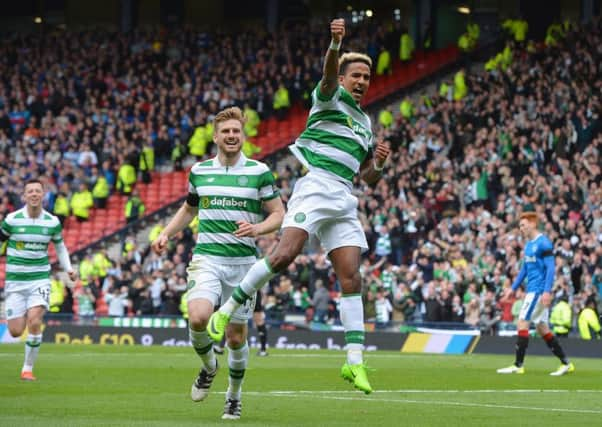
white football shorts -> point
(533, 310)
(326, 209)
(18, 302)
(215, 282)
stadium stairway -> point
(164, 188)
(274, 135)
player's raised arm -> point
(330, 78)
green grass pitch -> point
(94, 385)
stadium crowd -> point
(446, 215)
(442, 223)
(76, 106)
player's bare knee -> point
(351, 284)
(198, 323)
(15, 331)
(16, 326)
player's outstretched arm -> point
(330, 78)
(65, 260)
(180, 220)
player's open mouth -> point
(358, 91)
(232, 143)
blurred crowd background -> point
(94, 112)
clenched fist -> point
(381, 153)
(337, 30)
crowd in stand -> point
(75, 106)
(442, 223)
(446, 214)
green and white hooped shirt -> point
(227, 195)
(337, 136)
(27, 263)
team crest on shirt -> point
(350, 122)
(20, 245)
(45, 230)
(190, 284)
(300, 217)
(243, 181)
(205, 202)
(9, 312)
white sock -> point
(237, 363)
(203, 345)
(32, 348)
(256, 277)
(352, 317)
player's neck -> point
(532, 236)
(34, 211)
(228, 161)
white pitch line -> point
(337, 354)
(450, 403)
(425, 391)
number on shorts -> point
(45, 293)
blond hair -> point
(232, 113)
(350, 57)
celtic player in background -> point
(336, 146)
(228, 193)
(28, 231)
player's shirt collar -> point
(241, 162)
(26, 213)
